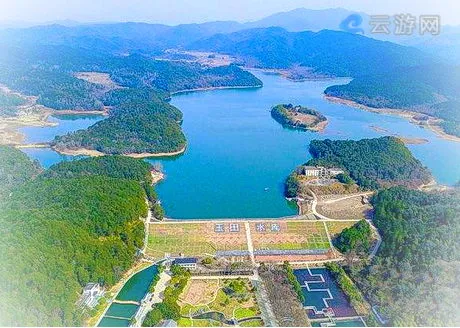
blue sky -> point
(183, 11)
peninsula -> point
(298, 117)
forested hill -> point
(49, 73)
(141, 120)
(372, 163)
(139, 126)
(429, 89)
(67, 227)
(328, 52)
(15, 169)
(414, 277)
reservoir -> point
(238, 157)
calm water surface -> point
(134, 290)
(238, 156)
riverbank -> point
(34, 116)
(432, 123)
(95, 153)
(217, 88)
(406, 140)
(293, 74)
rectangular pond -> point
(321, 292)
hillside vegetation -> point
(430, 90)
(327, 52)
(15, 168)
(414, 277)
(297, 117)
(372, 163)
(140, 119)
(77, 223)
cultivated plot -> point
(269, 239)
(195, 239)
(289, 235)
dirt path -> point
(313, 208)
(266, 311)
(330, 201)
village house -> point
(321, 171)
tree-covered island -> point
(299, 117)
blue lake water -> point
(65, 123)
(238, 157)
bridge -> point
(126, 302)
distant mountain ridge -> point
(329, 52)
(147, 37)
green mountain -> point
(328, 52)
(141, 120)
(414, 277)
(430, 90)
(74, 224)
(372, 163)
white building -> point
(91, 294)
(186, 262)
(321, 171)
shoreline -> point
(406, 114)
(285, 73)
(95, 153)
(10, 126)
(216, 88)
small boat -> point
(266, 189)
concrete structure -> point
(91, 294)
(169, 323)
(186, 262)
(321, 171)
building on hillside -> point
(186, 262)
(169, 323)
(92, 292)
(321, 171)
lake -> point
(238, 157)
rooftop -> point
(185, 260)
(90, 285)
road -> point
(379, 239)
(250, 245)
(330, 201)
(147, 223)
(313, 207)
(322, 217)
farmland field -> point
(292, 235)
(210, 238)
